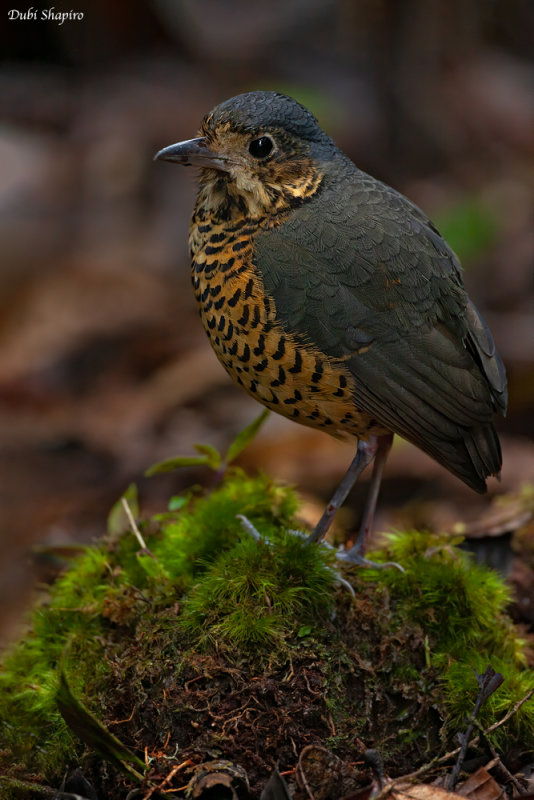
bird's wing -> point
(365, 277)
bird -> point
(333, 300)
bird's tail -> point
(473, 458)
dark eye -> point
(260, 148)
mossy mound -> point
(207, 644)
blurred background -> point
(104, 365)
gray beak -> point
(195, 153)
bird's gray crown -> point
(261, 111)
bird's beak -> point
(195, 153)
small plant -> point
(209, 456)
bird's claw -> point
(349, 557)
(355, 559)
(251, 529)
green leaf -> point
(245, 437)
(304, 630)
(117, 522)
(170, 464)
(210, 456)
(214, 457)
(179, 501)
(151, 566)
(92, 733)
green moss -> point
(111, 586)
(189, 542)
(256, 593)
(458, 602)
(461, 607)
(65, 630)
(206, 608)
(460, 691)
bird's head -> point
(258, 152)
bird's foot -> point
(247, 526)
(251, 529)
(356, 559)
(350, 557)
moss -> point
(462, 608)
(110, 587)
(206, 643)
(460, 690)
(65, 629)
(189, 542)
(459, 603)
(257, 593)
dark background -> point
(104, 366)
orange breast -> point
(271, 364)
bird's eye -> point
(260, 148)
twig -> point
(510, 713)
(159, 788)
(135, 530)
(36, 788)
(133, 525)
(305, 784)
(488, 683)
(505, 772)
(438, 760)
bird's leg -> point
(376, 447)
(365, 453)
(356, 554)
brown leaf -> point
(422, 791)
(480, 786)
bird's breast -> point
(269, 361)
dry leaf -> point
(422, 791)
(481, 786)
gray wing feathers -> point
(360, 273)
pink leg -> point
(365, 453)
(357, 551)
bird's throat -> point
(258, 198)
